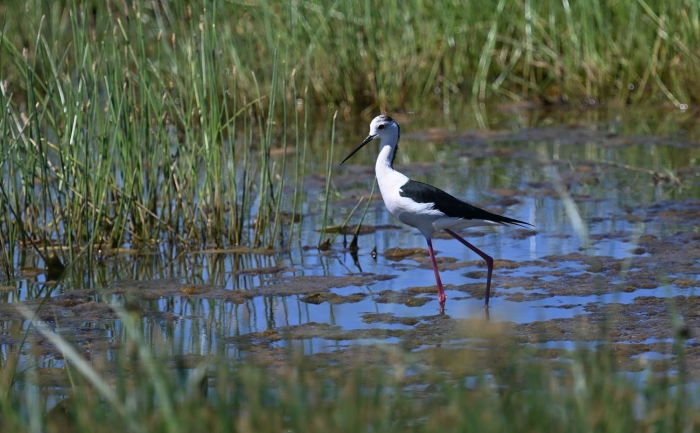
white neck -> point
(389, 179)
(384, 163)
(389, 142)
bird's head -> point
(382, 127)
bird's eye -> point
(380, 127)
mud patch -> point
(676, 211)
(304, 285)
(628, 327)
(389, 318)
(171, 287)
(321, 297)
(406, 298)
(398, 254)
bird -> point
(425, 207)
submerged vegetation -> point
(130, 125)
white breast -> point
(418, 215)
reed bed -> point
(399, 54)
(114, 136)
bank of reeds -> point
(116, 136)
(390, 55)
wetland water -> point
(614, 195)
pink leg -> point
(441, 291)
(489, 263)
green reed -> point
(299, 172)
(116, 135)
(330, 161)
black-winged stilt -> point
(423, 206)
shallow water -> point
(638, 242)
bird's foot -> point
(441, 300)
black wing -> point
(451, 206)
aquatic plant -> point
(142, 386)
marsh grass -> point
(143, 386)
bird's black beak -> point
(365, 141)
